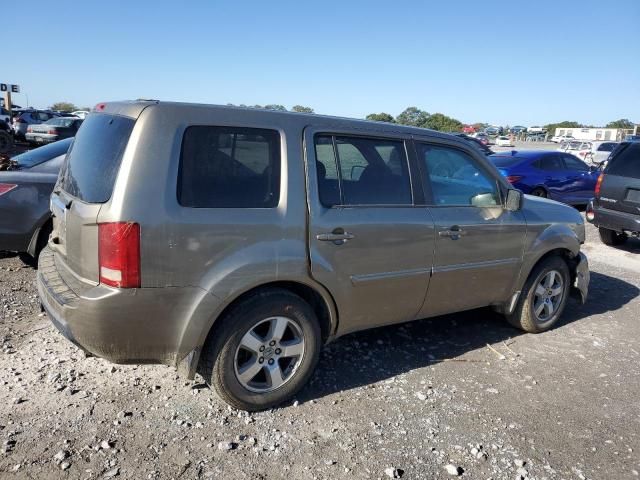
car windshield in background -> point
(42, 154)
(501, 161)
(93, 162)
(61, 122)
(607, 147)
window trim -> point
(405, 140)
(281, 154)
(426, 178)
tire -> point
(225, 358)
(539, 192)
(524, 315)
(611, 237)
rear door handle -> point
(454, 233)
(338, 236)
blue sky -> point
(499, 62)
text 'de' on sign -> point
(7, 87)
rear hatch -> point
(85, 183)
(620, 188)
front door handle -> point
(338, 236)
(454, 233)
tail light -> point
(514, 178)
(119, 254)
(29, 130)
(6, 188)
(53, 132)
(599, 184)
(589, 212)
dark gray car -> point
(25, 188)
(238, 241)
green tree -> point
(302, 109)
(412, 116)
(381, 117)
(622, 123)
(63, 107)
(443, 123)
(273, 106)
(551, 127)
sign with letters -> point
(7, 87)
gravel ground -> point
(427, 399)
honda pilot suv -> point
(615, 210)
(235, 242)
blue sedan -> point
(556, 175)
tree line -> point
(412, 116)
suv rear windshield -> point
(94, 158)
(625, 161)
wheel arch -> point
(318, 298)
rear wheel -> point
(263, 352)
(611, 237)
(539, 192)
(543, 297)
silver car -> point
(235, 242)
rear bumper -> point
(41, 138)
(614, 220)
(144, 325)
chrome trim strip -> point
(374, 277)
(476, 265)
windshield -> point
(42, 154)
(92, 164)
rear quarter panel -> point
(24, 209)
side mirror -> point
(514, 200)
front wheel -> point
(543, 297)
(611, 237)
(263, 352)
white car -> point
(80, 114)
(504, 141)
(595, 152)
(562, 138)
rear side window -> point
(229, 167)
(94, 159)
(607, 147)
(549, 162)
(362, 171)
(625, 161)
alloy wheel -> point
(269, 354)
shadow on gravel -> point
(374, 355)
(4, 254)
(632, 245)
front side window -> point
(229, 167)
(456, 178)
(362, 171)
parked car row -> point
(23, 119)
(595, 152)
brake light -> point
(599, 184)
(119, 254)
(100, 107)
(52, 132)
(590, 214)
(6, 187)
(29, 130)
(514, 178)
